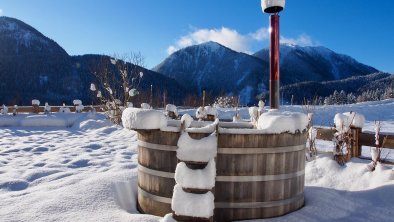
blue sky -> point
(363, 29)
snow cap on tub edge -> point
(276, 122)
(136, 118)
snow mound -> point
(77, 102)
(344, 121)
(35, 102)
(187, 120)
(194, 205)
(47, 121)
(277, 122)
(201, 113)
(211, 111)
(197, 179)
(134, 118)
(358, 120)
(145, 106)
(172, 108)
(201, 150)
(167, 218)
(205, 129)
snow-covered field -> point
(88, 172)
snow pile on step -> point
(201, 150)
(276, 122)
(172, 108)
(186, 120)
(193, 205)
(203, 179)
(201, 113)
(205, 129)
(211, 111)
(134, 118)
(167, 218)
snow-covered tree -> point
(117, 82)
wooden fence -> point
(359, 139)
(40, 109)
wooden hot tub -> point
(258, 175)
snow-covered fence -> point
(55, 109)
(359, 139)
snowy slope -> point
(88, 172)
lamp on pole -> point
(273, 7)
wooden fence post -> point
(355, 142)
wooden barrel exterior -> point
(258, 175)
(157, 162)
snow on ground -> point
(83, 173)
(88, 172)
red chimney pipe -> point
(274, 61)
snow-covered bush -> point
(377, 150)
(117, 83)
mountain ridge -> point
(299, 64)
(33, 66)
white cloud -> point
(233, 39)
(225, 36)
(301, 40)
(1, 12)
(260, 35)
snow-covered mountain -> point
(217, 69)
(220, 70)
(32, 66)
(315, 63)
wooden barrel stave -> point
(156, 185)
(157, 159)
(150, 206)
(260, 164)
(263, 191)
(230, 214)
